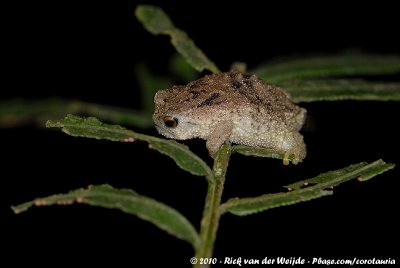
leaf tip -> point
(51, 123)
(21, 207)
(15, 209)
(381, 168)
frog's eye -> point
(170, 121)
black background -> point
(88, 49)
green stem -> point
(211, 214)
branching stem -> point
(211, 214)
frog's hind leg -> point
(298, 121)
(294, 145)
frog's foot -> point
(294, 149)
(288, 154)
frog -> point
(232, 107)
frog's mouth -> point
(165, 132)
(161, 128)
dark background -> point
(87, 50)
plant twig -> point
(211, 215)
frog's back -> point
(232, 89)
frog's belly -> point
(269, 134)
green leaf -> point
(19, 112)
(251, 205)
(316, 187)
(362, 171)
(149, 84)
(341, 89)
(157, 22)
(128, 201)
(154, 19)
(260, 152)
(328, 66)
(92, 128)
(183, 157)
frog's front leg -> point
(218, 136)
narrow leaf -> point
(161, 215)
(328, 66)
(19, 112)
(181, 154)
(341, 89)
(154, 19)
(251, 205)
(157, 22)
(260, 152)
(305, 190)
(92, 128)
(336, 177)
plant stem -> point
(211, 214)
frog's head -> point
(174, 117)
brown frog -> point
(235, 107)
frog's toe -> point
(295, 159)
(286, 158)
